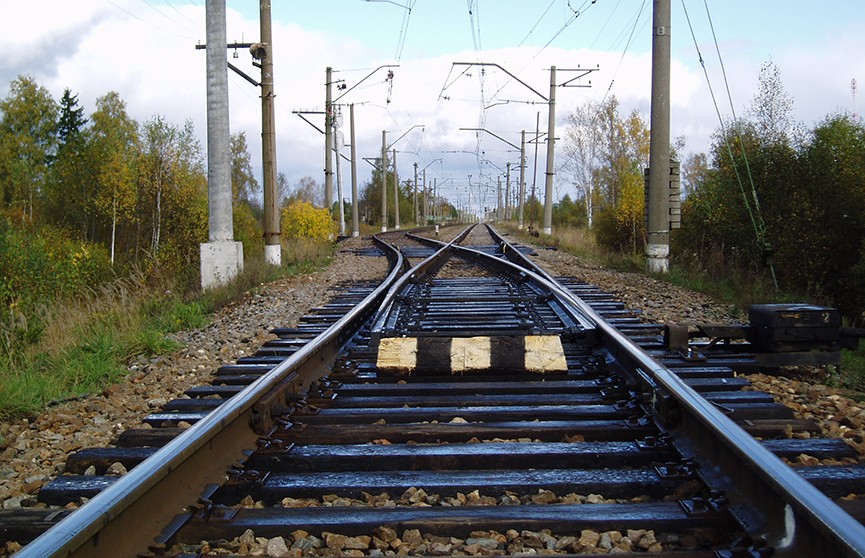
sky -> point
(144, 50)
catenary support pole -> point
(522, 200)
(508, 192)
(328, 140)
(384, 181)
(272, 248)
(416, 209)
(395, 193)
(425, 200)
(658, 245)
(499, 206)
(339, 201)
(551, 154)
(355, 218)
(221, 257)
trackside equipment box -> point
(794, 327)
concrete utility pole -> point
(416, 210)
(395, 194)
(499, 207)
(328, 139)
(384, 181)
(551, 154)
(433, 200)
(222, 257)
(339, 204)
(658, 245)
(425, 200)
(508, 192)
(264, 52)
(523, 162)
(355, 220)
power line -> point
(169, 18)
(183, 15)
(532, 30)
(144, 21)
(625, 50)
(755, 214)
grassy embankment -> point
(733, 288)
(80, 345)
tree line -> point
(88, 197)
(772, 201)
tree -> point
(248, 210)
(308, 190)
(171, 159)
(115, 148)
(695, 172)
(244, 186)
(606, 154)
(28, 140)
(72, 120)
(370, 197)
(70, 191)
(772, 107)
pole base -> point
(273, 254)
(658, 258)
(383, 228)
(355, 233)
(548, 230)
(220, 262)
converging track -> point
(470, 404)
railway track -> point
(470, 404)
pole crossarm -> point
(493, 134)
(500, 67)
(430, 163)
(347, 91)
(301, 114)
(404, 134)
(584, 73)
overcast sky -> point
(144, 49)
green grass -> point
(851, 375)
(81, 346)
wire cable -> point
(756, 220)
(144, 21)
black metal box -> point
(794, 327)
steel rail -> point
(807, 524)
(124, 519)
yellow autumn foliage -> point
(300, 219)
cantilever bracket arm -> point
(305, 119)
(526, 85)
(243, 75)
(347, 91)
(517, 147)
(585, 72)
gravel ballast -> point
(34, 451)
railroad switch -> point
(777, 335)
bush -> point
(300, 219)
(38, 267)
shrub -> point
(300, 219)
